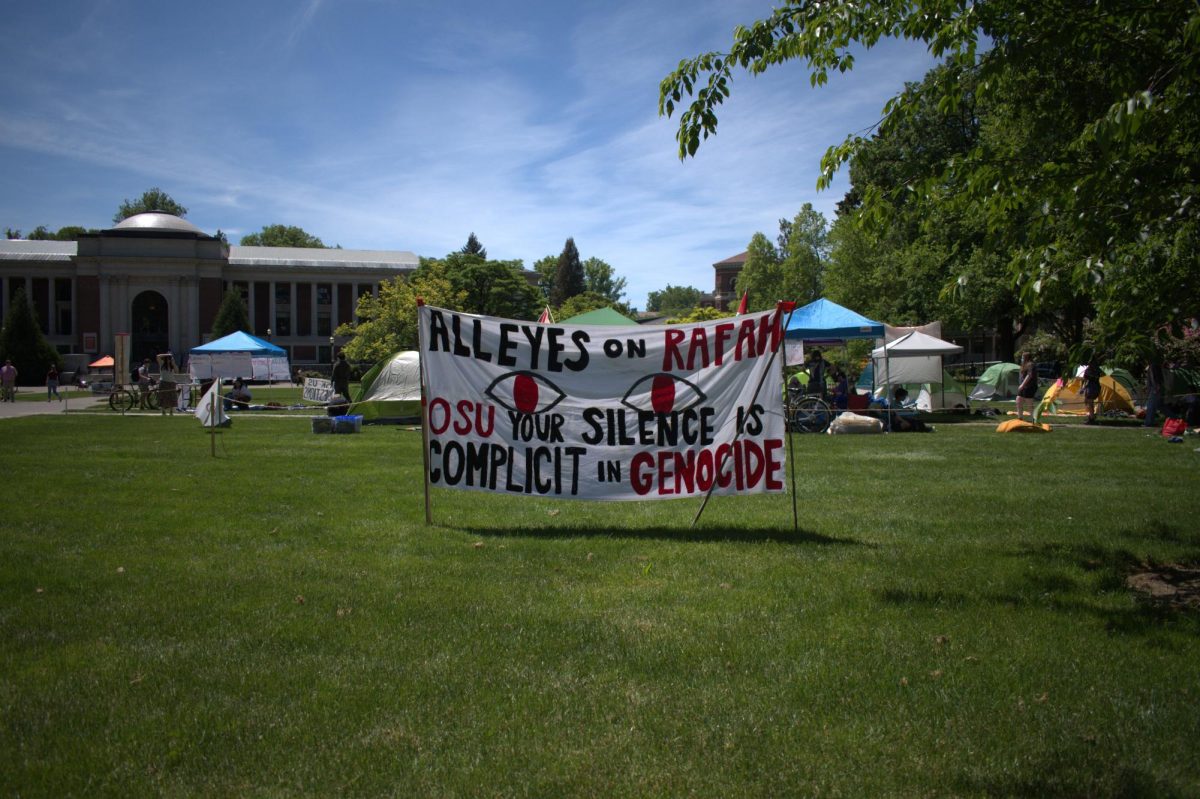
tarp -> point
(600, 316)
(998, 382)
(239, 355)
(913, 358)
(391, 389)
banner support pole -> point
(762, 379)
(424, 413)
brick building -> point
(161, 279)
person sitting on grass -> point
(899, 415)
(238, 396)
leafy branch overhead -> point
(1085, 166)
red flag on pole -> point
(742, 305)
(546, 318)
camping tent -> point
(1113, 397)
(239, 355)
(1123, 377)
(998, 382)
(391, 390)
(601, 316)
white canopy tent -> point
(913, 358)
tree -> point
(599, 278)
(569, 279)
(494, 288)
(699, 314)
(674, 299)
(473, 247)
(546, 267)
(232, 315)
(154, 199)
(793, 272)
(1090, 167)
(22, 342)
(388, 322)
(281, 236)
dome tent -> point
(998, 382)
(391, 390)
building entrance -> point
(150, 329)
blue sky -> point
(407, 125)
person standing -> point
(1026, 385)
(143, 381)
(341, 377)
(8, 382)
(816, 374)
(52, 384)
(1091, 389)
(1153, 393)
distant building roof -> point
(319, 257)
(24, 250)
(157, 222)
(734, 260)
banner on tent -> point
(612, 413)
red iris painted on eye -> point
(662, 393)
(525, 393)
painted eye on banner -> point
(524, 392)
(663, 393)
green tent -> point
(600, 316)
(391, 390)
(999, 382)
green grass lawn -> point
(951, 619)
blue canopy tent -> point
(823, 322)
(239, 355)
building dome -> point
(158, 222)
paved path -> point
(25, 407)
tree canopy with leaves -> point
(281, 236)
(1089, 182)
(794, 270)
(154, 199)
(674, 299)
(387, 322)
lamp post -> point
(270, 381)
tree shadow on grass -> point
(742, 535)
(1054, 584)
(1080, 770)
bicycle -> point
(808, 413)
(123, 399)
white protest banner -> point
(615, 413)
